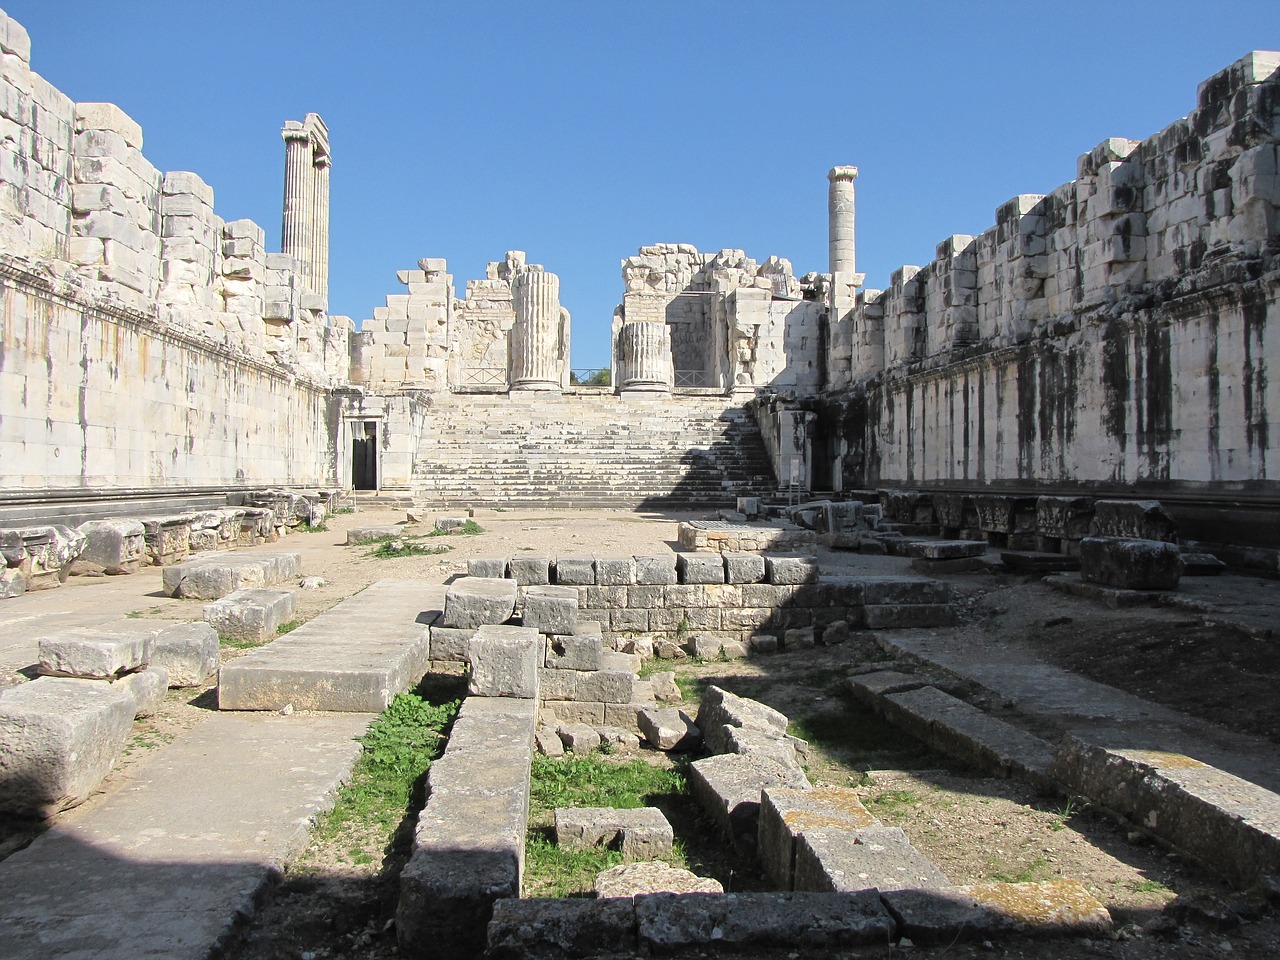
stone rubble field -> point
(338, 897)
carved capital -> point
(843, 173)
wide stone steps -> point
(596, 450)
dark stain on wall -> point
(1028, 396)
(1115, 381)
(1214, 386)
(1254, 310)
(1155, 416)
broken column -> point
(840, 212)
(644, 357)
(537, 337)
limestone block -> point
(576, 571)
(891, 589)
(212, 577)
(358, 535)
(799, 638)
(900, 616)
(58, 739)
(547, 742)
(764, 643)
(108, 116)
(1064, 517)
(790, 569)
(147, 687)
(656, 570)
(489, 568)
(615, 571)
(786, 813)
(605, 686)
(533, 927)
(668, 729)
(947, 549)
(251, 615)
(633, 879)
(700, 567)
(504, 661)
(720, 709)
(1133, 520)
(576, 652)
(530, 571)
(1130, 564)
(744, 568)
(94, 654)
(578, 737)
(664, 686)
(188, 652)
(551, 610)
(1055, 908)
(642, 833)
(472, 602)
(729, 786)
(838, 861)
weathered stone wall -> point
(734, 323)
(1113, 332)
(146, 342)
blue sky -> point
(579, 131)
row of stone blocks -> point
(61, 733)
(1226, 823)
(658, 570)
(1053, 524)
(798, 597)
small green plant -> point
(392, 546)
(1035, 870)
(468, 529)
(1148, 886)
(682, 630)
(238, 643)
(289, 627)
(1068, 810)
(892, 801)
(344, 511)
(307, 526)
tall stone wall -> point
(1112, 332)
(147, 343)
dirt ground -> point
(338, 899)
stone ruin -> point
(1084, 385)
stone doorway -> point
(364, 457)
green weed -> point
(468, 529)
(891, 801)
(1148, 886)
(235, 643)
(385, 548)
(289, 627)
(307, 527)
(1035, 870)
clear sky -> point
(579, 131)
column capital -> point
(293, 130)
(843, 173)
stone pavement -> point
(185, 845)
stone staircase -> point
(589, 450)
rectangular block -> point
(656, 569)
(95, 654)
(576, 571)
(530, 571)
(615, 571)
(213, 577)
(551, 610)
(698, 568)
(790, 568)
(505, 661)
(786, 813)
(250, 615)
(880, 857)
(744, 568)
(472, 602)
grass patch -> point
(593, 780)
(891, 801)
(398, 748)
(1037, 869)
(1148, 886)
(235, 643)
(344, 511)
(468, 529)
(386, 548)
(289, 627)
(306, 527)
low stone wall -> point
(750, 594)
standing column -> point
(840, 213)
(644, 357)
(299, 197)
(320, 231)
(535, 336)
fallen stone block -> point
(947, 549)
(551, 610)
(605, 685)
(59, 738)
(720, 710)
(669, 922)
(799, 638)
(49, 551)
(1133, 520)
(449, 524)
(700, 567)
(764, 643)
(169, 542)
(642, 833)
(188, 652)
(942, 568)
(668, 729)
(1028, 561)
(787, 813)
(618, 739)
(213, 577)
(835, 633)
(472, 602)
(504, 661)
(560, 927)
(904, 590)
(1221, 821)
(785, 569)
(1130, 564)
(251, 615)
(358, 535)
(728, 787)
(488, 568)
(1066, 518)
(654, 876)
(547, 742)
(870, 688)
(118, 546)
(578, 737)
(755, 742)
(147, 687)
(664, 686)
(1201, 565)
(880, 857)
(99, 654)
(958, 729)
(1054, 908)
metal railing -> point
(692, 378)
(484, 378)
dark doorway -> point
(823, 454)
(364, 457)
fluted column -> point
(840, 213)
(299, 197)
(535, 336)
(644, 356)
(320, 229)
